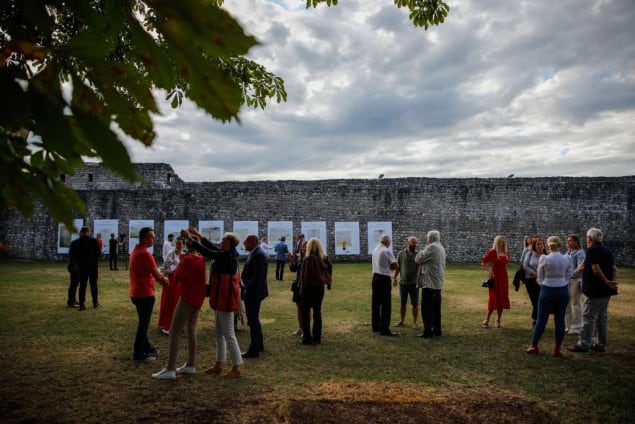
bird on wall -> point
(381, 176)
(510, 175)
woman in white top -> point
(554, 271)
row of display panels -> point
(346, 241)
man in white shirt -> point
(167, 246)
(384, 263)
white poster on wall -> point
(212, 230)
(315, 229)
(105, 227)
(65, 237)
(347, 238)
(375, 231)
(243, 229)
(278, 229)
(174, 227)
(133, 233)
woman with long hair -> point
(530, 263)
(498, 295)
(315, 274)
(189, 277)
(554, 271)
(295, 265)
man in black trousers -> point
(84, 253)
(254, 281)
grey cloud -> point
(532, 89)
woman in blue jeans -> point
(554, 271)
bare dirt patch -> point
(352, 403)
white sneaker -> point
(186, 370)
(165, 374)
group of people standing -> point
(413, 270)
(83, 268)
(185, 288)
(555, 282)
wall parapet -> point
(468, 212)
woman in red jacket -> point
(190, 277)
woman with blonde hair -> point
(554, 271)
(316, 272)
(498, 295)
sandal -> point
(415, 327)
(485, 324)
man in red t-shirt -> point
(143, 273)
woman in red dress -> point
(496, 259)
(170, 293)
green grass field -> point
(62, 365)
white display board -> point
(277, 229)
(133, 233)
(243, 229)
(347, 238)
(375, 231)
(65, 237)
(212, 230)
(316, 229)
(105, 227)
(174, 226)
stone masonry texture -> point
(468, 212)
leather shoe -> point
(250, 355)
(424, 336)
(577, 349)
(389, 333)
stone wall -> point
(467, 212)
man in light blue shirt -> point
(282, 252)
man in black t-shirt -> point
(599, 283)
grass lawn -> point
(62, 365)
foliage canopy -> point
(78, 73)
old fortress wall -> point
(468, 212)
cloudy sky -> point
(533, 88)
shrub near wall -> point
(468, 212)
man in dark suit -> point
(113, 244)
(254, 281)
(85, 253)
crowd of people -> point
(574, 286)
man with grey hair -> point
(384, 263)
(599, 283)
(431, 261)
